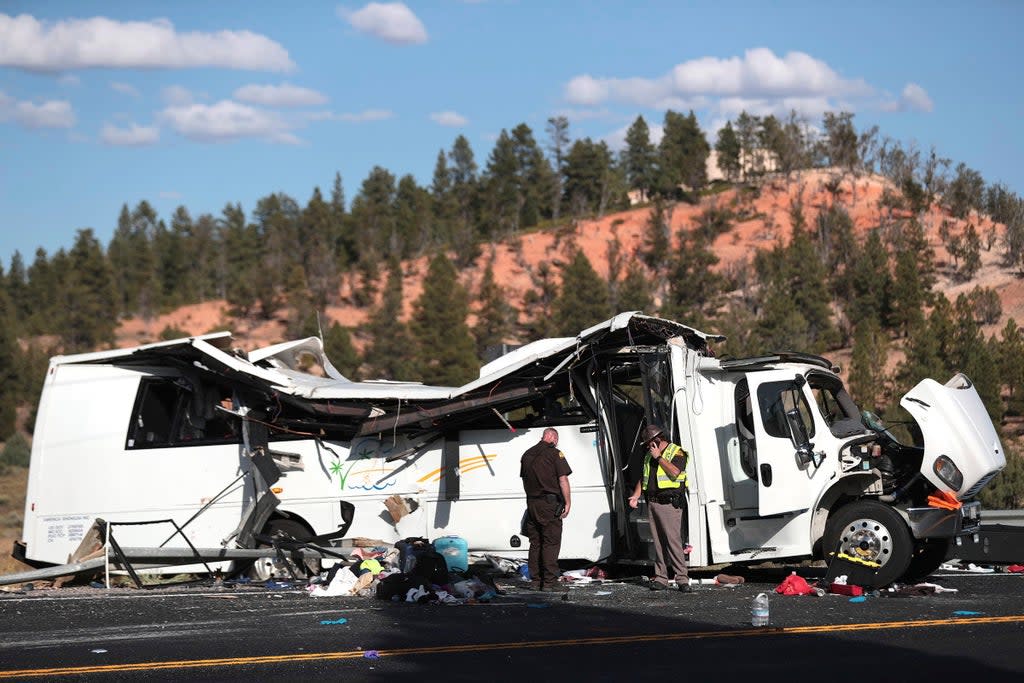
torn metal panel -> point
(429, 417)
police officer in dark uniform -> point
(545, 474)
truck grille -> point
(973, 491)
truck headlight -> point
(948, 472)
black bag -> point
(431, 567)
(409, 550)
(398, 585)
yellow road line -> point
(485, 647)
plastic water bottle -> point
(759, 610)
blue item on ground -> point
(455, 551)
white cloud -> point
(69, 80)
(124, 89)
(169, 194)
(49, 114)
(284, 95)
(392, 22)
(449, 118)
(586, 90)
(176, 95)
(760, 73)
(99, 42)
(226, 121)
(916, 98)
(366, 115)
(132, 136)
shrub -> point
(17, 452)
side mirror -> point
(798, 435)
(872, 421)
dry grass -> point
(12, 510)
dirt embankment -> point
(764, 218)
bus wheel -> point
(267, 568)
(871, 531)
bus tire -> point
(871, 531)
(267, 568)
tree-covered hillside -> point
(821, 281)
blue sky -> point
(205, 103)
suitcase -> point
(455, 551)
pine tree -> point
(583, 299)
(728, 148)
(373, 212)
(589, 177)
(389, 354)
(640, 159)
(535, 178)
(558, 146)
(43, 291)
(446, 354)
(867, 366)
(870, 283)
(502, 188)
(178, 268)
(495, 319)
(908, 293)
(810, 288)
(134, 264)
(296, 295)
(465, 192)
(695, 291)
(344, 248)
(539, 322)
(442, 207)
(747, 127)
(1011, 360)
(412, 217)
(89, 294)
(341, 352)
(796, 314)
(8, 366)
(655, 248)
(18, 293)
(634, 292)
(243, 256)
(970, 353)
(682, 155)
(929, 345)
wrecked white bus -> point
(235, 447)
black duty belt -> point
(549, 497)
(663, 498)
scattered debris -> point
(726, 579)
(794, 585)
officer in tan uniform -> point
(664, 486)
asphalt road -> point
(616, 630)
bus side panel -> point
(474, 492)
(491, 502)
(81, 470)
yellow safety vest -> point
(665, 481)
